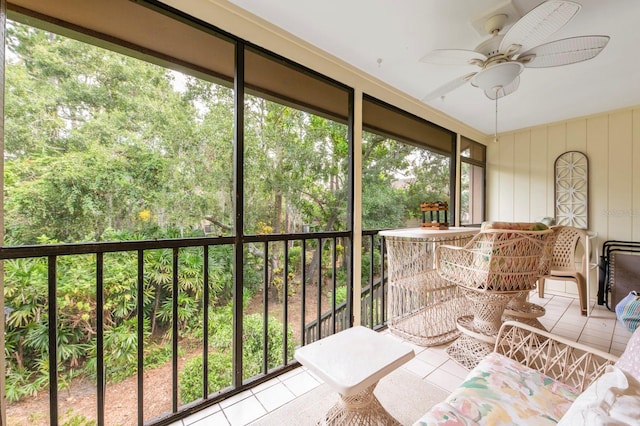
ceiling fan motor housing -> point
(503, 56)
(490, 47)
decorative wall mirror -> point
(572, 189)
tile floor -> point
(562, 317)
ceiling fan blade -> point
(537, 25)
(448, 87)
(504, 91)
(564, 52)
(452, 57)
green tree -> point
(396, 178)
(95, 138)
(100, 146)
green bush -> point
(341, 295)
(22, 383)
(70, 419)
(191, 378)
(220, 357)
(366, 263)
(295, 258)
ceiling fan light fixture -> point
(499, 75)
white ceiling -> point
(387, 38)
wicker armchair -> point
(496, 266)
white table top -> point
(426, 233)
(353, 359)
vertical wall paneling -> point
(541, 196)
(635, 181)
(611, 142)
(493, 180)
(506, 206)
(556, 145)
(577, 135)
(598, 153)
(620, 170)
(522, 178)
(557, 140)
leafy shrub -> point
(366, 264)
(295, 258)
(191, 378)
(341, 295)
(220, 366)
(71, 419)
(21, 383)
(121, 353)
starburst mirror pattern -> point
(572, 189)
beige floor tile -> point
(444, 380)
(265, 385)
(419, 367)
(275, 396)
(454, 368)
(217, 419)
(436, 355)
(301, 383)
(244, 412)
(236, 398)
(202, 414)
(416, 348)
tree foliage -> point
(100, 146)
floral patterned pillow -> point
(500, 391)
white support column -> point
(457, 195)
(357, 205)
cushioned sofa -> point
(537, 378)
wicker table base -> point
(468, 351)
(479, 330)
(519, 309)
(359, 409)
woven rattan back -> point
(567, 241)
(497, 260)
(565, 360)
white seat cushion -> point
(613, 399)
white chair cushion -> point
(613, 399)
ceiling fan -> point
(503, 57)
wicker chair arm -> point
(455, 264)
(569, 362)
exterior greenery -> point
(103, 147)
(219, 362)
